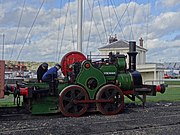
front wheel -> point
(110, 92)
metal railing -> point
(154, 82)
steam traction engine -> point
(90, 84)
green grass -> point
(171, 94)
(170, 82)
(7, 101)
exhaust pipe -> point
(132, 56)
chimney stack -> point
(132, 56)
(141, 42)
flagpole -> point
(79, 26)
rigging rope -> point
(109, 12)
(95, 23)
(72, 32)
(90, 28)
(133, 14)
(103, 20)
(147, 26)
(57, 46)
(83, 19)
(131, 32)
(30, 29)
(18, 28)
(63, 31)
(119, 20)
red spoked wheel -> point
(110, 92)
(69, 59)
(68, 96)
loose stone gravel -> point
(162, 118)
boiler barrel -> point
(125, 81)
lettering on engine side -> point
(109, 73)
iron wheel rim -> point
(67, 97)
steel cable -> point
(90, 27)
(72, 31)
(109, 12)
(62, 38)
(30, 29)
(147, 25)
(131, 32)
(95, 23)
(58, 37)
(119, 20)
(18, 28)
(102, 19)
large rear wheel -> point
(112, 93)
(68, 96)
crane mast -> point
(79, 28)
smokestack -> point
(141, 42)
(132, 56)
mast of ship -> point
(79, 25)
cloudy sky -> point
(45, 30)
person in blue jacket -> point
(52, 74)
(51, 77)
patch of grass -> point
(171, 94)
(7, 101)
(170, 82)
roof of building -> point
(119, 44)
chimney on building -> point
(112, 39)
(141, 42)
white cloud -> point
(161, 50)
(42, 41)
(167, 3)
(165, 23)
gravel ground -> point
(156, 118)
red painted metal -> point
(69, 59)
(158, 88)
(161, 88)
(87, 65)
(24, 91)
(2, 71)
(128, 92)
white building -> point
(151, 72)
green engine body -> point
(97, 84)
(92, 78)
(90, 75)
